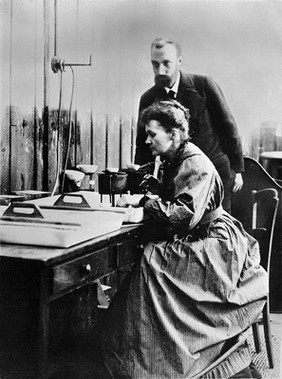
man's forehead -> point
(166, 50)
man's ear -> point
(180, 60)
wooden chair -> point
(264, 211)
(256, 178)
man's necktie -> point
(171, 95)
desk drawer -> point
(127, 253)
(78, 271)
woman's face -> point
(158, 139)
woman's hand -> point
(151, 184)
(128, 200)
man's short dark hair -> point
(160, 42)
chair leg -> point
(255, 328)
(267, 335)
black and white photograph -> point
(141, 189)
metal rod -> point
(59, 65)
(10, 99)
(76, 64)
(55, 27)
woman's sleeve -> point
(195, 191)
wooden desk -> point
(44, 291)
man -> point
(212, 126)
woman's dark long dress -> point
(194, 290)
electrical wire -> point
(70, 133)
(58, 137)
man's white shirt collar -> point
(174, 88)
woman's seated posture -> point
(198, 285)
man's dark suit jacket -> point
(212, 126)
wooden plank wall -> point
(106, 94)
(33, 138)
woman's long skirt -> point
(184, 304)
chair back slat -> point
(254, 215)
(264, 212)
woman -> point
(198, 285)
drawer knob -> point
(86, 269)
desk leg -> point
(43, 337)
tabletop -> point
(271, 155)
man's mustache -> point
(162, 79)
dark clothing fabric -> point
(212, 126)
(248, 372)
(196, 288)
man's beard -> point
(163, 80)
